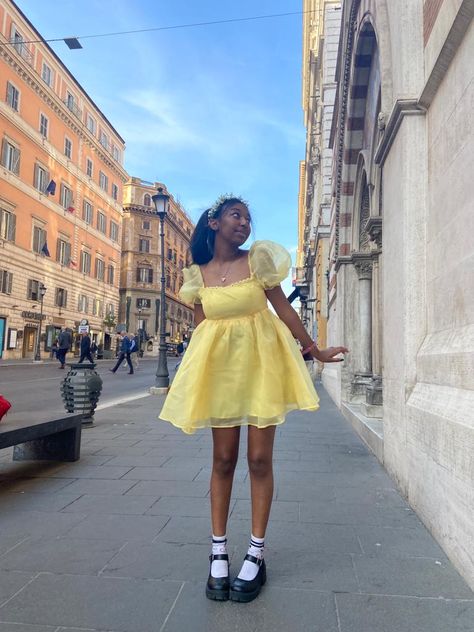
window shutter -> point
(58, 253)
(68, 254)
(138, 274)
(12, 227)
(16, 161)
(4, 152)
(96, 268)
(36, 177)
(150, 275)
(64, 298)
(9, 282)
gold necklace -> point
(224, 276)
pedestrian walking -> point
(64, 345)
(94, 349)
(124, 353)
(86, 349)
(134, 349)
(242, 368)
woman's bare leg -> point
(225, 455)
(260, 461)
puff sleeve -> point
(270, 263)
(189, 291)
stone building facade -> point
(321, 27)
(140, 277)
(61, 178)
(401, 275)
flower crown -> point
(211, 213)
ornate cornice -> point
(374, 228)
(402, 108)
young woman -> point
(242, 368)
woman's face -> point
(233, 225)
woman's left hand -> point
(328, 355)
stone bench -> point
(57, 439)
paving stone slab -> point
(318, 537)
(77, 470)
(415, 576)
(37, 523)
(61, 555)
(283, 511)
(99, 486)
(180, 530)
(163, 473)
(276, 610)
(119, 527)
(103, 504)
(131, 460)
(373, 613)
(358, 513)
(100, 603)
(401, 542)
(19, 627)
(191, 489)
(35, 485)
(304, 492)
(25, 501)
(378, 496)
(182, 506)
(10, 583)
(7, 542)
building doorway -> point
(29, 342)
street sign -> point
(83, 329)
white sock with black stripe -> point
(249, 570)
(219, 568)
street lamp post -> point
(161, 201)
(139, 330)
(42, 292)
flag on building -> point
(51, 188)
(72, 263)
(44, 250)
(70, 209)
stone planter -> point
(80, 391)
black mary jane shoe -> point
(244, 590)
(217, 588)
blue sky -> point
(206, 110)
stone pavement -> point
(120, 540)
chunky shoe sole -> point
(217, 595)
(246, 597)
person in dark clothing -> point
(124, 353)
(86, 348)
(64, 344)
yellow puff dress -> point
(242, 365)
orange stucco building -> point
(61, 183)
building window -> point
(41, 178)
(83, 303)
(63, 252)
(70, 101)
(144, 245)
(147, 200)
(13, 96)
(60, 299)
(101, 222)
(10, 157)
(6, 279)
(32, 292)
(99, 269)
(39, 239)
(114, 191)
(44, 126)
(169, 256)
(146, 225)
(97, 307)
(116, 153)
(68, 147)
(7, 225)
(110, 274)
(110, 311)
(85, 262)
(144, 303)
(65, 196)
(103, 181)
(47, 74)
(89, 167)
(87, 212)
(90, 124)
(144, 275)
(114, 231)
(103, 140)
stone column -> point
(363, 375)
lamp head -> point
(161, 202)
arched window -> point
(147, 200)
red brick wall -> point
(430, 13)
